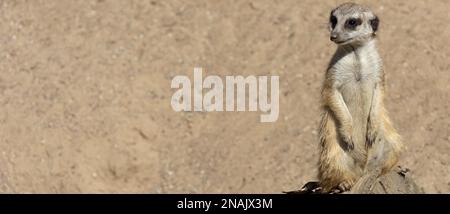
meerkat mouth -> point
(342, 42)
(356, 39)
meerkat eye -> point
(352, 23)
(333, 21)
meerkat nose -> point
(333, 36)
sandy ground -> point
(85, 93)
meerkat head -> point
(351, 23)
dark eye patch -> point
(374, 23)
(352, 23)
(333, 21)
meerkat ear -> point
(374, 23)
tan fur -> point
(356, 135)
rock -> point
(397, 181)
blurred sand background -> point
(85, 93)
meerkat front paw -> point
(371, 137)
(346, 136)
(373, 132)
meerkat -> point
(357, 139)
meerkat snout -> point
(333, 36)
(352, 24)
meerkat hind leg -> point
(336, 168)
(345, 186)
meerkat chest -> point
(355, 77)
(353, 71)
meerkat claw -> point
(345, 186)
(349, 145)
